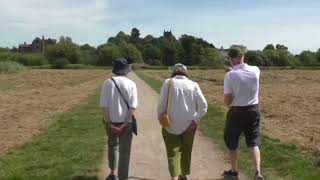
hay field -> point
(30, 100)
(289, 99)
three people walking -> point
(181, 106)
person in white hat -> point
(187, 106)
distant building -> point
(168, 35)
(224, 52)
(37, 46)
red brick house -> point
(37, 46)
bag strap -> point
(168, 104)
(120, 93)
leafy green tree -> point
(189, 51)
(89, 57)
(269, 47)
(284, 58)
(271, 57)
(193, 50)
(187, 42)
(295, 62)
(87, 47)
(64, 39)
(281, 47)
(308, 58)
(318, 55)
(255, 58)
(211, 57)
(108, 54)
(169, 52)
(64, 49)
(152, 55)
(149, 39)
(278, 57)
(121, 37)
(203, 43)
(131, 53)
(60, 63)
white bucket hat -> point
(180, 67)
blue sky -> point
(256, 23)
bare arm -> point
(227, 69)
(228, 98)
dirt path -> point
(148, 159)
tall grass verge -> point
(27, 59)
(8, 67)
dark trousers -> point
(242, 120)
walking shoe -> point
(258, 176)
(230, 175)
(183, 178)
(111, 177)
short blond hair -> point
(235, 53)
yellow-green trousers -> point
(179, 149)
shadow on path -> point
(137, 178)
(85, 178)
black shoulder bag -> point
(134, 121)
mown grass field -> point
(51, 124)
(72, 148)
(281, 160)
(31, 99)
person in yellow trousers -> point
(181, 105)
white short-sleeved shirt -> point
(243, 83)
(188, 103)
(111, 98)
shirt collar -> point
(180, 77)
(239, 66)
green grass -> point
(9, 67)
(284, 160)
(72, 148)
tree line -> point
(280, 56)
(164, 50)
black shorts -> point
(246, 120)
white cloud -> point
(41, 13)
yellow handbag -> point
(165, 120)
